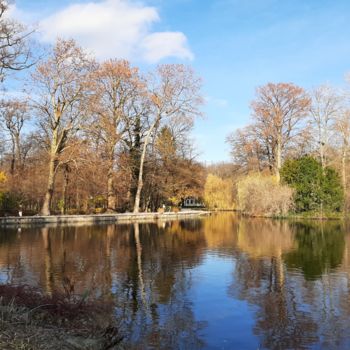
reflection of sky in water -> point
(217, 283)
(212, 303)
(4, 276)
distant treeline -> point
(293, 156)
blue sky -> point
(235, 45)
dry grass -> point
(32, 320)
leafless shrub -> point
(264, 196)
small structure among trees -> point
(192, 202)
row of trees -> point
(101, 127)
(291, 123)
(86, 133)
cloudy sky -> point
(235, 45)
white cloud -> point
(166, 44)
(115, 28)
(29, 19)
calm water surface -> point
(214, 283)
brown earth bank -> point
(30, 320)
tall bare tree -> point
(117, 88)
(60, 86)
(325, 106)
(278, 111)
(174, 92)
(13, 114)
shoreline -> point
(292, 216)
(296, 217)
(98, 218)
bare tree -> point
(247, 150)
(13, 114)
(116, 91)
(277, 113)
(15, 52)
(324, 109)
(60, 87)
(174, 92)
(342, 129)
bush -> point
(316, 189)
(263, 196)
(9, 202)
(73, 211)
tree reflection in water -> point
(289, 276)
(152, 300)
(320, 248)
(293, 276)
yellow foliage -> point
(263, 196)
(278, 237)
(218, 193)
(3, 177)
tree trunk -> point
(111, 197)
(18, 151)
(322, 156)
(278, 161)
(140, 180)
(343, 170)
(46, 208)
(322, 143)
(142, 162)
(77, 201)
(135, 156)
(65, 187)
(53, 164)
(13, 156)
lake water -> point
(214, 283)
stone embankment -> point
(96, 219)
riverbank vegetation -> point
(85, 136)
(301, 139)
(218, 193)
(30, 319)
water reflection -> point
(218, 282)
(320, 248)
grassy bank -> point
(30, 320)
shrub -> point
(218, 193)
(100, 210)
(9, 201)
(263, 196)
(315, 188)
